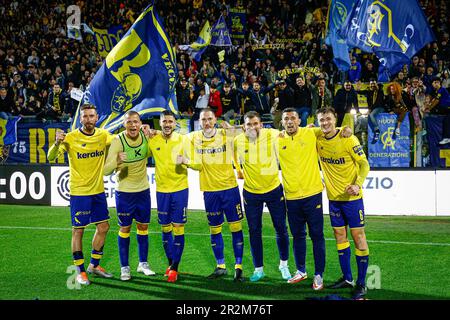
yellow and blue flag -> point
(196, 49)
(338, 11)
(107, 39)
(394, 30)
(74, 32)
(8, 130)
(138, 74)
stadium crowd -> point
(39, 64)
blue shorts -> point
(133, 205)
(218, 203)
(172, 207)
(88, 209)
(343, 213)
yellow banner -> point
(267, 46)
(303, 70)
(107, 39)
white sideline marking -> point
(226, 235)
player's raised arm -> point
(58, 147)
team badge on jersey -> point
(358, 150)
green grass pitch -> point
(411, 254)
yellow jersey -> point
(169, 176)
(131, 176)
(299, 164)
(86, 155)
(215, 155)
(259, 160)
(343, 163)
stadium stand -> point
(37, 57)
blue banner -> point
(237, 23)
(138, 74)
(220, 36)
(439, 154)
(33, 141)
(390, 150)
(8, 130)
(338, 11)
(394, 30)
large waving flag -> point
(338, 11)
(8, 130)
(394, 30)
(197, 48)
(138, 74)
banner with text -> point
(237, 24)
(390, 150)
(107, 38)
(33, 141)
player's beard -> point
(252, 134)
(208, 132)
(291, 130)
(88, 127)
(167, 131)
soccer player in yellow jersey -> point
(128, 156)
(255, 150)
(86, 148)
(345, 168)
(303, 189)
(169, 150)
(213, 149)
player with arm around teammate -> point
(86, 148)
(213, 149)
(255, 150)
(345, 168)
(127, 157)
(303, 189)
(169, 149)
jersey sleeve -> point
(55, 151)
(111, 159)
(188, 152)
(236, 158)
(109, 137)
(357, 153)
(317, 131)
(274, 133)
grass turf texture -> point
(411, 252)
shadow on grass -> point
(195, 287)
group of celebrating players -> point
(221, 155)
